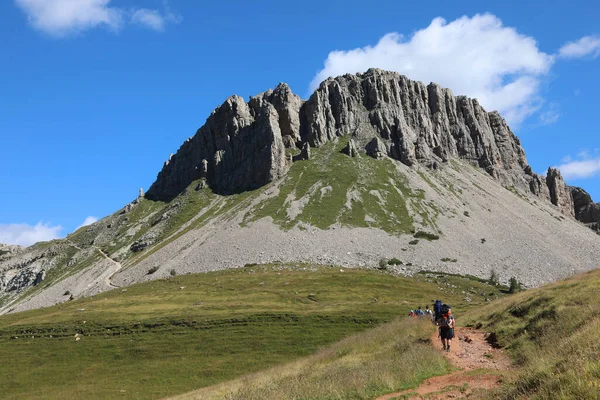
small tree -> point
(494, 281)
(515, 285)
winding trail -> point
(117, 265)
(469, 352)
(117, 268)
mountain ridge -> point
(371, 166)
(409, 121)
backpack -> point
(444, 309)
(444, 321)
(437, 307)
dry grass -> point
(553, 334)
(391, 357)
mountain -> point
(372, 166)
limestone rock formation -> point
(239, 148)
(351, 149)
(7, 250)
(242, 145)
(560, 195)
(585, 209)
(376, 148)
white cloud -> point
(88, 221)
(477, 57)
(154, 19)
(63, 17)
(26, 235)
(550, 116)
(585, 166)
(587, 45)
(150, 18)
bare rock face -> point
(585, 209)
(7, 250)
(239, 148)
(351, 149)
(412, 119)
(560, 194)
(287, 106)
(376, 148)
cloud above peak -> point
(475, 56)
(60, 18)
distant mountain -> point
(371, 166)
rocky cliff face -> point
(242, 145)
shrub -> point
(426, 235)
(466, 214)
(413, 242)
(515, 285)
(152, 270)
(494, 280)
(173, 272)
(447, 259)
(395, 261)
(383, 264)
(482, 240)
(66, 293)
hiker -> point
(446, 324)
(411, 313)
(428, 312)
(419, 312)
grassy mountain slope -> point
(330, 209)
(171, 336)
(552, 332)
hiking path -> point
(480, 368)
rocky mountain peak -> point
(242, 145)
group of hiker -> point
(442, 317)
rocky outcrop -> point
(376, 148)
(239, 148)
(351, 149)
(585, 209)
(560, 195)
(7, 251)
(242, 145)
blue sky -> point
(95, 94)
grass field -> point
(172, 336)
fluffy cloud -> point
(477, 57)
(60, 17)
(63, 17)
(585, 46)
(88, 221)
(584, 166)
(26, 235)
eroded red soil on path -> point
(469, 351)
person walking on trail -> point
(428, 312)
(446, 324)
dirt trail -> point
(469, 351)
(116, 265)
